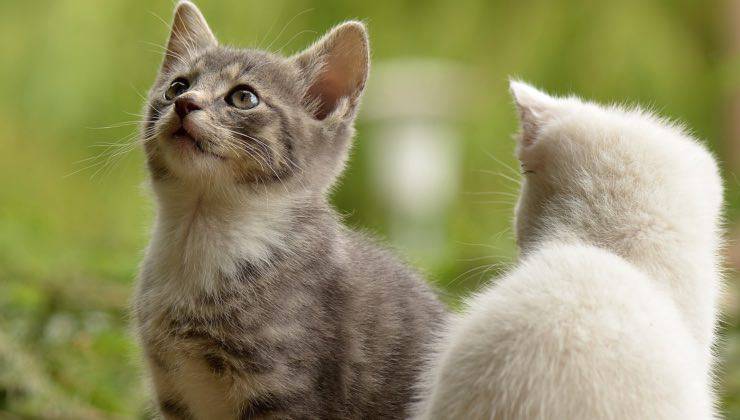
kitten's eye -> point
(242, 97)
(177, 87)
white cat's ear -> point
(336, 69)
(534, 106)
(190, 34)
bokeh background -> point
(432, 170)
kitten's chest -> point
(189, 248)
(213, 359)
(225, 337)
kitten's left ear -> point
(535, 108)
(190, 34)
(336, 69)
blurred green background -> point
(74, 214)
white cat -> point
(611, 312)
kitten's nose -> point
(185, 105)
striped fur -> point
(254, 301)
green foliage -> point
(71, 235)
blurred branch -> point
(26, 391)
(732, 144)
(732, 139)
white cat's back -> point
(574, 332)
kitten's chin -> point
(183, 141)
(189, 160)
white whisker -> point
(286, 26)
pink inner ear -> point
(529, 127)
(535, 108)
(341, 61)
(329, 90)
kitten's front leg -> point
(170, 403)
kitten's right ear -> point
(534, 106)
(190, 34)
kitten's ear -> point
(534, 107)
(190, 34)
(336, 69)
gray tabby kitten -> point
(254, 301)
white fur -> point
(611, 313)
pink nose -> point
(185, 105)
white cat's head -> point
(609, 175)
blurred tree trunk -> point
(732, 139)
(732, 134)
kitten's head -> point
(609, 175)
(220, 116)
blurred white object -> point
(415, 165)
(415, 148)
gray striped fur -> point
(254, 301)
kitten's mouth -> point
(183, 135)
